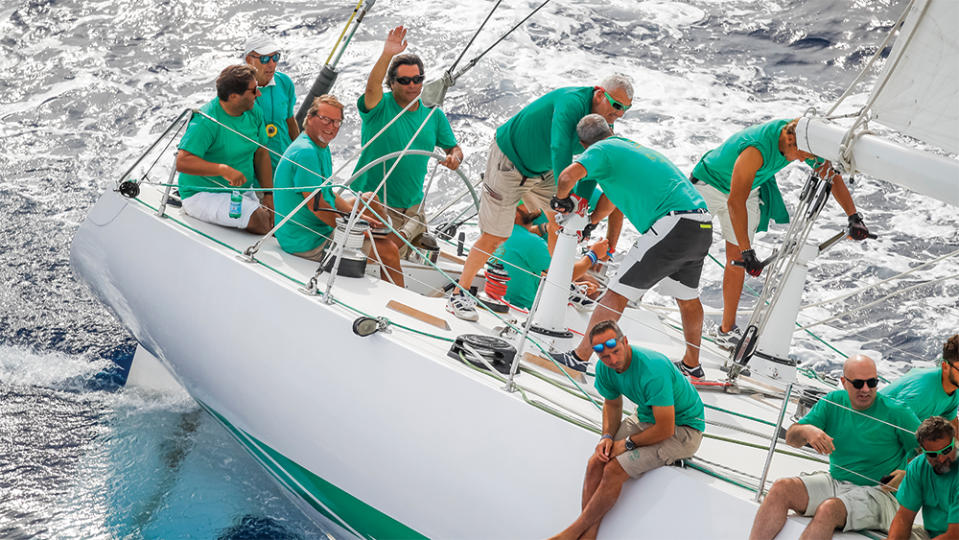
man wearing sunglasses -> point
(671, 218)
(932, 391)
(277, 95)
(869, 440)
(215, 155)
(525, 158)
(931, 483)
(738, 181)
(403, 75)
(667, 426)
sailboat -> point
(376, 410)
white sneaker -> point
(462, 306)
(578, 298)
(728, 340)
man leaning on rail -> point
(668, 424)
(526, 156)
(931, 483)
(307, 163)
(869, 439)
(932, 391)
(277, 95)
(403, 189)
(227, 152)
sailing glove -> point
(857, 229)
(588, 230)
(753, 266)
(563, 206)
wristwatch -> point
(630, 445)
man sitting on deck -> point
(931, 391)
(307, 164)
(277, 95)
(668, 424)
(931, 483)
(212, 157)
(868, 438)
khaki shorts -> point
(867, 507)
(503, 187)
(315, 254)
(716, 202)
(683, 444)
(410, 222)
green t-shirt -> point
(304, 231)
(868, 447)
(624, 169)
(651, 380)
(530, 253)
(937, 494)
(921, 390)
(404, 188)
(542, 136)
(716, 166)
(276, 101)
(214, 143)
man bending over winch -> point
(869, 439)
(667, 426)
(307, 164)
(671, 217)
(228, 152)
(403, 189)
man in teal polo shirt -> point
(869, 439)
(527, 154)
(277, 95)
(666, 210)
(932, 391)
(667, 426)
(738, 181)
(227, 152)
(402, 192)
(308, 164)
(931, 483)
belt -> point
(682, 212)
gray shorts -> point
(409, 222)
(716, 202)
(503, 187)
(683, 444)
(867, 507)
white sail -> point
(918, 92)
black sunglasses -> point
(407, 80)
(857, 383)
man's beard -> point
(942, 468)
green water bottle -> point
(236, 204)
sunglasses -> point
(608, 344)
(265, 58)
(327, 120)
(254, 89)
(933, 454)
(615, 104)
(857, 383)
(407, 80)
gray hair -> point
(618, 82)
(592, 129)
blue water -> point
(87, 84)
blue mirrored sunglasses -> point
(608, 344)
(265, 58)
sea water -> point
(86, 85)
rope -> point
(472, 39)
(343, 33)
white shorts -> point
(716, 202)
(867, 507)
(214, 207)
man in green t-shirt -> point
(307, 164)
(526, 156)
(869, 439)
(277, 95)
(738, 181)
(931, 483)
(402, 191)
(227, 151)
(667, 426)
(670, 216)
(932, 391)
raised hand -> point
(395, 41)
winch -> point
(353, 259)
(497, 352)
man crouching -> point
(668, 424)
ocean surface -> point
(87, 84)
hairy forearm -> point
(612, 416)
(796, 435)
(841, 193)
(656, 433)
(192, 164)
(263, 168)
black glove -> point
(563, 206)
(857, 229)
(751, 263)
(588, 230)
